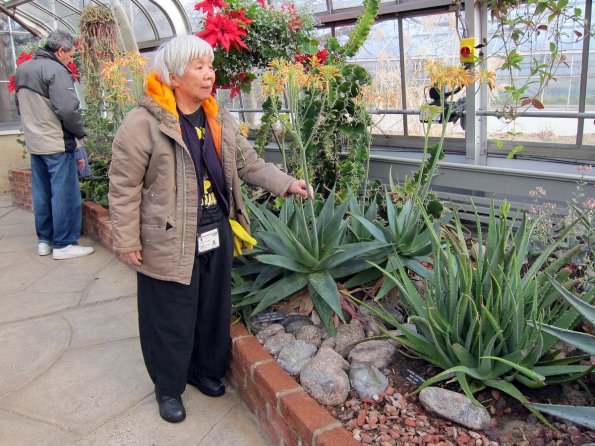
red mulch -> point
(397, 418)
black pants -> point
(184, 329)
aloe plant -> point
(301, 252)
(471, 319)
(585, 416)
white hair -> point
(175, 55)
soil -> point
(396, 417)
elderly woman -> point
(176, 206)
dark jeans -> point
(57, 204)
(184, 329)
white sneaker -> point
(72, 251)
(44, 249)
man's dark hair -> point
(59, 39)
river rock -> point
(379, 353)
(275, 343)
(367, 380)
(455, 407)
(310, 334)
(347, 335)
(268, 331)
(293, 357)
(293, 323)
(324, 379)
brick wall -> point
(20, 187)
(287, 414)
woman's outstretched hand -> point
(298, 187)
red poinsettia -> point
(306, 59)
(209, 6)
(262, 3)
(74, 72)
(25, 56)
(219, 29)
(239, 16)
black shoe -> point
(209, 386)
(171, 408)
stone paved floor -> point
(71, 370)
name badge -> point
(207, 241)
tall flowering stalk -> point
(291, 80)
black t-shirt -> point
(210, 208)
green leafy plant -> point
(298, 251)
(585, 416)
(471, 317)
(405, 233)
(335, 122)
(531, 34)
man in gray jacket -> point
(51, 119)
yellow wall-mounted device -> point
(467, 51)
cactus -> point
(358, 35)
(127, 38)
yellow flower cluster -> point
(453, 76)
(244, 129)
(115, 73)
(283, 74)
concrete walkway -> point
(71, 370)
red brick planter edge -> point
(287, 414)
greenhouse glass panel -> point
(342, 4)
(430, 37)
(525, 130)
(40, 16)
(379, 55)
(315, 6)
(194, 16)
(142, 27)
(163, 26)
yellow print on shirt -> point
(200, 132)
(208, 196)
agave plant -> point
(471, 318)
(585, 416)
(405, 233)
(302, 252)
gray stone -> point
(346, 337)
(372, 327)
(379, 353)
(367, 380)
(293, 357)
(329, 342)
(275, 343)
(324, 377)
(388, 305)
(331, 358)
(268, 331)
(455, 407)
(293, 323)
(310, 334)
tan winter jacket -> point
(153, 193)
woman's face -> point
(196, 84)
